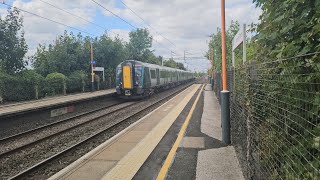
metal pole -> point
(244, 44)
(225, 109)
(212, 75)
(92, 73)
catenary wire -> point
(71, 27)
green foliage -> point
(109, 53)
(215, 44)
(288, 28)
(140, 41)
(69, 53)
(12, 43)
(76, 81)
(21, 86)
(173, 64)
(55, 83)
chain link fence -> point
(275, 117)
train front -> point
(129, 79)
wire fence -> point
(275, 117)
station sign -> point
(98, 68)
(238, 38)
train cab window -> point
(118, 74)
(153, 74)
(138, 72)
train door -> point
(147, 79)
(153, 76)
(158, 76)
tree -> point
(288, 28)
(109, 53)
(140, 42)
(215, 44)
(173, 64)
(12, 43)
(69, 53)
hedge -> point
(21, 86)
(76, 82)
(55, 84)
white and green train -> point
(135, 79)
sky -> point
(180, 26)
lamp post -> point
(225, 94)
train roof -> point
(156, 66)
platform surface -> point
(215, 163)
(47, 102)
(122, 156)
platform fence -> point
(275, 117)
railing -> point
(275, 117)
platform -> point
(154, 147)
(27, 106)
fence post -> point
(64, 88)
(36, 91)
(252, 78)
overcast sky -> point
(186, 23)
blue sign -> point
(93, 62)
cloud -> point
(186, 23)
(39, 31)
(123, 34)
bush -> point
(15, 89)
(76, 81)
(2, 77)
(33, 81)
(21, 86)
(55, 83)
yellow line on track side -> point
(165, 167)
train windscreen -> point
(118, 75)
(138, 73)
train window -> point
(138, 71)
(153, 74)
(118, 74)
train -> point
(136, 79)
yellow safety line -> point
(165, 167)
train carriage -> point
(135, 79)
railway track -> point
(87, 139)
(23, 140)
(8, 138)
